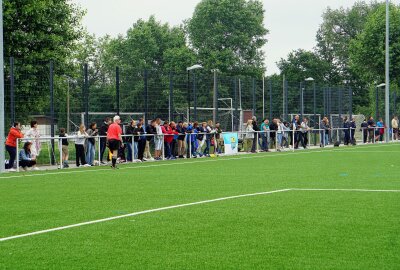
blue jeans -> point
(207, 149)
(167, 148)
(90, 153)
(129, 147)
(12, 151)
(280, 135)
(135, 149)
(264, 141)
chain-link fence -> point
(44, 92)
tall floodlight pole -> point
(2, 119)
(387, 80)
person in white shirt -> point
(395, 127)
(80, 147)
(304, 132)
(249, 135)
(35, 135)
(158, 139)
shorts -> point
(181, 137)
(65, 149)
(114, 145)
(158, 143)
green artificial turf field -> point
(336, 224)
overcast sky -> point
(292, 23)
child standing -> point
(64, 147)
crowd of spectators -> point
(171, 140)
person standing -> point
(219, 141)
(158, 139)
(264, 130)
(35, 135)
(140, 140)
(103, 139)
(353, 127)
(114, 139)
(80, 147)
(364, 129)
(346, 128)
(380, 131)
(250, 134)
(150, 132)
(371, 130)
(256, 129)
(304, 132)
(181, 129)
(91, 143)
(64, 147)
(132, 151)
(11, 144)
(395, 128)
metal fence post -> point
(51, 81)
(235, 90)
(351, 103)
(145, 96)
(171, 98)
(254, 95)
(315, 111)
(194, 97)
(117, 89)
(376, 104)
(86, 95)
(270, 99)
(286, 99)
(12, 90)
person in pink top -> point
(114, 139)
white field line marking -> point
(250, 156)
(345, 189)
(140, 213)
(187, 204)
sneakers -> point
(35, 169)
(11, 170)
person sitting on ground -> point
(114, 139)
(26, 160)
(11, 145)
(64, 147)
(249, 136)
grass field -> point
(325, 215)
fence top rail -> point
(198, 133)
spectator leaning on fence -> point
(264, 129)
(64, 147)
(130, 131)
(364, 129)
(26, 159)
(256, 129)
(150, 132)
(33, 133)
(11, 144)
(304, 132)
(380, 131)
(114, 139)
(80, 147)
(91, 143)
(249, 136)
(395, 127)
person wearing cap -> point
(114, 139)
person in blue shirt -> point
(25, 158)
(380, 131)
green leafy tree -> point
(37, 31)
(302, 64)
(228, 35)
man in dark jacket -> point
(256, 129)
(103, 140)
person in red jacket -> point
(11, 144)
(168, 138)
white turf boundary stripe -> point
(184, 205)
(344, 189)
(249, 156)
(140, 213)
